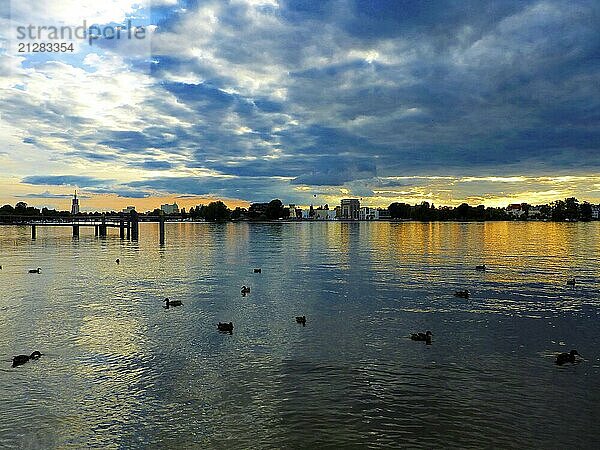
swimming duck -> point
(19, 360)
(118, 261)
(566, 357)
(301, 319)
(255, 270)
(426, 337)
(225, 327)
(169, 303)
(38, 270)
(571, 282)
(462, 294)
(480, 268)
(245, 290)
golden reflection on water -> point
(110, 335)
(535, 250)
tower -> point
(75, 204)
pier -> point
(128, 224)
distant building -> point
(517, 209)
(324, 214)
(384, 214)
(128, 210)
(595, 212)
(295, 212)
(75, 205)
(366, 213)
(534, 212)
(170, 209)
(350, 208)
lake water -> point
(120, 371)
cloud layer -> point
(254, 99)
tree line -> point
(560, 210)
(569, 209)
(219, 212)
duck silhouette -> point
(257, 270)
(118, 261)
(19, 360)
(462, 294)
(571, 282)
(169, 303)
(567, 357)
(245, 290)
(301, 319)
(225, 327)
(425, 337)
(481, 268)
(38, 270)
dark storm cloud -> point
(464, 86)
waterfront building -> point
(128, 209)
(384, 214)
(295, 212)
(350, 209)
(534, 212)
(75, 205)
(595, 212)
(367, 213)
(324, 214)
(516, 210)
(170, 209)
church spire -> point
(75, 204)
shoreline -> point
(263, 222)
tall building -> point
(75, 205)
(350, 208)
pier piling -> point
(75, 231)
(103, 226)
(134, 226)
(33, 232)
(122, 229)
(161, 227)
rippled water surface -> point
(120, 371)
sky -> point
(488, 102)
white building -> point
(516, 209)
(170, 209)
(534, 213)
(128, 209)
(295, 212)
(366, 213)
(324, 214)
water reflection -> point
(120, 370)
